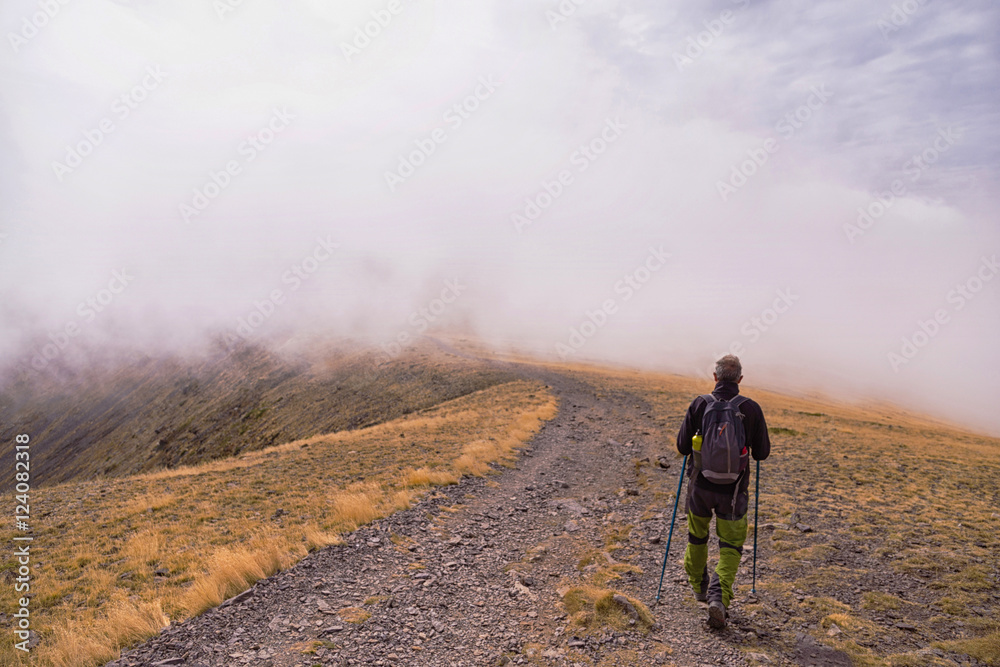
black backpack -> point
(724, 453)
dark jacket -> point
(753, 424)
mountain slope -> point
(877, 547)
(878, 538)
(113, 558)
(151, 413)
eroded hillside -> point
(126, 417)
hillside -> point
(878, 539)
(144, 414)
(115, 558)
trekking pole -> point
(756, 506)
(671, 533)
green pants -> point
(732, 534)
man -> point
(729, 501)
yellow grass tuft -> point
(318, 539)
(233, 571)
(594, 607)
(878, 601)
(145, 548)
(354, 615)
(401, 500)
(149, 502)
(75, 644)
(129, 622)
(428, 477)
(852, 624)
(475, 457)
(355, 508)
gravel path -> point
(471, 575)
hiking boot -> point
(717, 615)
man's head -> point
(728, 369)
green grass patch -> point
(780, 430)
(878, 601)
(984, 649)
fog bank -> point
(811, 185)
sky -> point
(811, 185)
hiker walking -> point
(721, 431)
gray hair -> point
(728, 368)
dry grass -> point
(605, 575)
(354, 615)
(145, 548)
(219, 527)
(355, 508)
(317, 539)
(892, 497)
(593, 607)
(877, 601)
(124, 623)
(428, 477)
(233, 571)
(150, 502)
(984, 649)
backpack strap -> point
(709, 399)
(736, 401)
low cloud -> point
(822, 177)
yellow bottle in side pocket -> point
(696, 451)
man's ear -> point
(715, 376)
(740, 379)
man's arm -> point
(687, 431)
(760, 441)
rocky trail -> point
(474, 573)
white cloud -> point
(656, 184)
